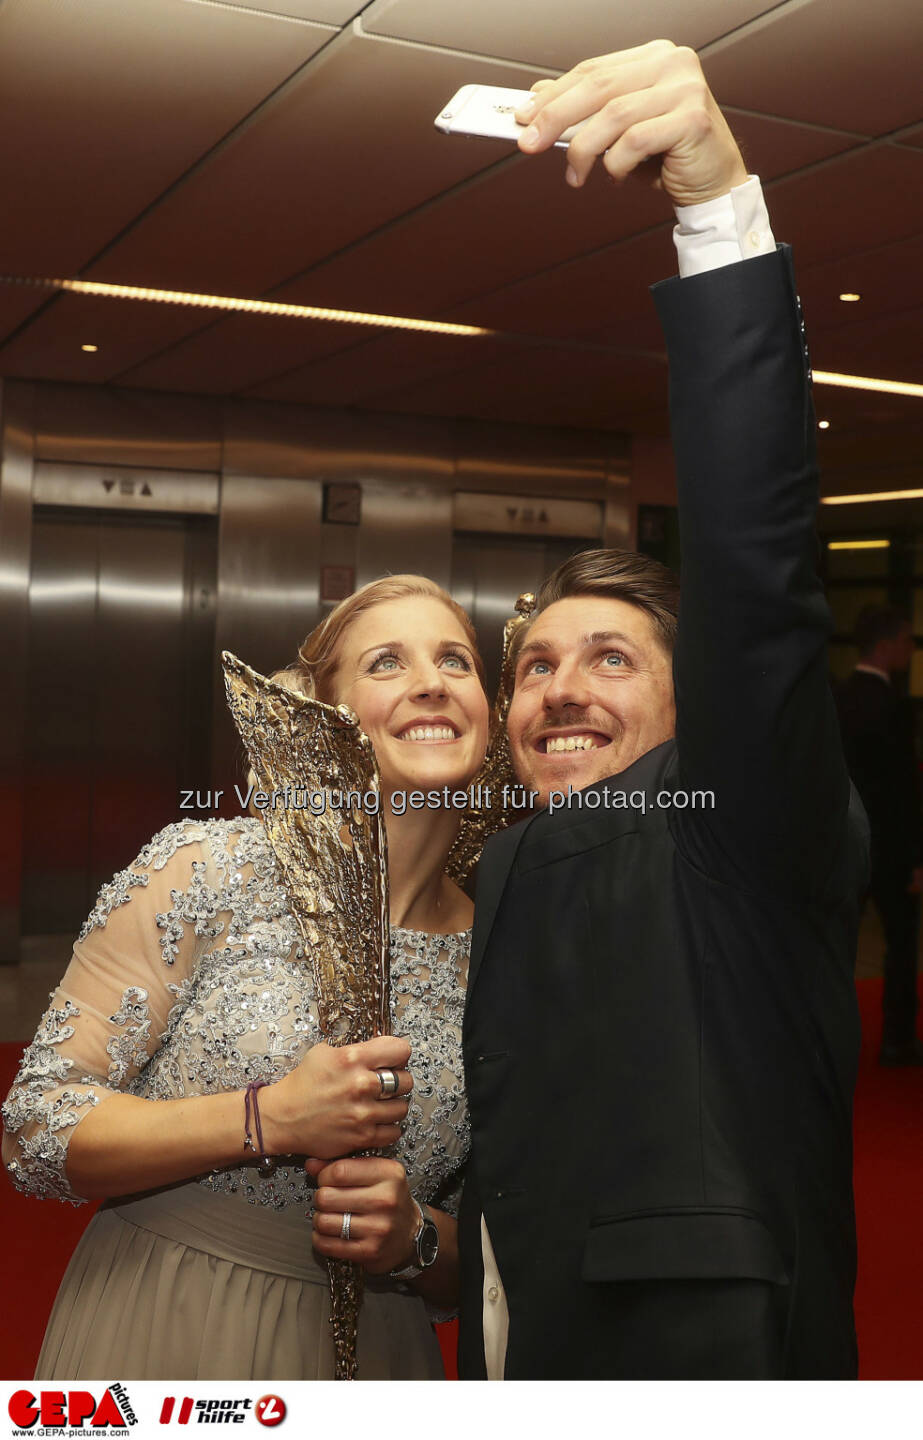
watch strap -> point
(417, 1265)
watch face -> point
(428, 1244)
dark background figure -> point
(877, 725)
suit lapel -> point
(499, 854)
(555, 837)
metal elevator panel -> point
(143, 455)
(59, 726)
(490, 572)
(121, 621)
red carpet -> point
(889, 1207)
(40, 1235)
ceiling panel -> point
(893, 420)
(328, 12)
(867, 198)
(359, 280)
(881, 275)
(484, 234)
(202, 146)
(884, 331)
(122, 330)
(608, 288)
(868, 442)
(517, 220)
(473, 231)
(309, 175)
(630, 393)
(17, 303)
(889, 348)
(550, 35)
(844, 63)
(86, 95)
(230, 355)
(474, 240)
(772, 147)
(562, 301)
(380, 366)
(602, 392)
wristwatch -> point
(426, 1245)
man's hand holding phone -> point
(631, 108)
(634, 105)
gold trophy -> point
(497, 770)
(335, 868)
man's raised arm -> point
(755, 721)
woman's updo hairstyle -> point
(314, 672)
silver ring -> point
(390, 1085)
(345, 1224)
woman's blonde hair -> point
(314, 670)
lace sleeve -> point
(107, 1017)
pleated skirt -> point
(190, 1284)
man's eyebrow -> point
(599, 637)
(531, 647)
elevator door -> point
(490, 572)
(121, 635)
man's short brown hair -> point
(614, 575)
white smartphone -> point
(488, 111)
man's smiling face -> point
(594, 692)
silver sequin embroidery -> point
(244, 1010)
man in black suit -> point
(661, 1033)
(877, 726)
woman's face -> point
(407, 669)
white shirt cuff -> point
(720, 232)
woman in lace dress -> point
(188, 981)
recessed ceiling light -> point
(865, 382)
(237, 305)
(90, 349)
(873, 495)
(858, 544)
(850, 296)
(823, 424)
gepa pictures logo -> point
(57, 1411)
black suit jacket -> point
(877, 726)
(661, 1032)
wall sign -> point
(342, 504)
(174, 492)
(489, 514)
(336, 582)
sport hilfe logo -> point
(207, 1412)
(185, 1410)
(63, 1409)
(269, 1410)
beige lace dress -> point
(189, 978)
